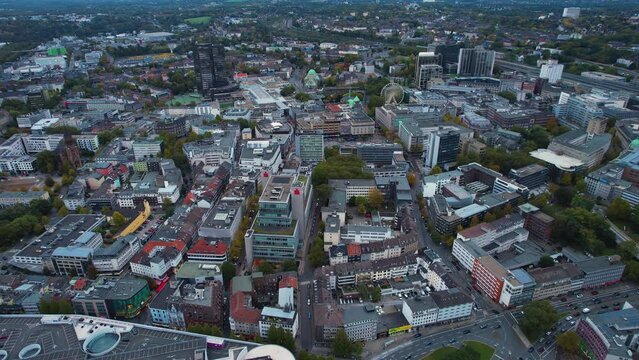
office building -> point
(536, 222)
(551, 71)
(210, 252)
(113, 258)
(10, 198)
(601, 270)
(281, 219)
(211, 76)
(353, 187)
(146, 148)
(453, 305)
(475, 62)
(223, 220)
(181, 304)
(556, 280)
(157, 258)
(310, 146)
(378, 154)
(66, 248)
(442, 148)
(428, 68)
(88, 142)
(580, 145)
(420, 311)
(489, 275)
(532, 176)
(360, 325)
(519, 288)
(212, 152)
(610, 335)
(113, 298)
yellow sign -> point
(399, 329)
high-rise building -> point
(476, 62)
(309, 146)
(427, 69)
(280, 221)
(443, 148)
(209, 69)
(551, 71)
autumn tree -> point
(375, 199)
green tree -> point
(619, 209)
(546, 261)
(569, 342)
(62, 212)
(287, 90)
(228, 272)
(47, 162)
(436, 170)
(49, 181)
(582, 201)
(627, 249)
(118, 219)
(317, 256)
(302, 97)
(266, 267)
(281, 337)
(83, 210)
(289, 265)
(375, 199)
(343, 347)
(539, 317)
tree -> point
(46, 161)
(565, 179)
(41, 207)
(489, 217)
(361, 209)
(49, 181)
(342, 345)
(118, 219)
(266, 267)
(317, 256)
(287, 90)
(62, 212)
(375, 199)
(279, 336)
(289, 265)
(619, 209)
(435, 170)
(411, 178)
(627, 249)
(569, 342)
(564, 195)
(582, 201)
(474, 221)
(228, 272)
(546, 261)
(57, 203)
(538, 318)
(302, 97)
(83, 210)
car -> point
(616, 304)
(626, 295)
(572, 323)
(541, 349)
(616, 294)
(585, 310)
(548, 342)
(498, 326)
(360, 300)
(467, 331)
(595, 292)
(495, 312)
(531, 349)
(308, 302)
(409, 357)
(568, 318)
(604, 306)
(483, 326)
(616, 308)
(563, 299)
(417, 335)
(309, 315)
(452, 341)
(579, 296)
(428, 343)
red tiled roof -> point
(202, 246)
(178, 244)
(353, 250)
(334, 108)
(189, 199)
(288, 281)
(473, 232)
(80, 284)
(239, 312)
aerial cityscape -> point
(334, 179)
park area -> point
(202, 20)
(474, 350)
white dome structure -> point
(275, 352)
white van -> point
(585, 310)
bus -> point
(215, 342)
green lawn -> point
(485, 351)
(202, 20)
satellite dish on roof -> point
(392, 93)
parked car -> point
(417, 335)
(467, 331)
(595, 292)
(483, 326)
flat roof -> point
(563, 162)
